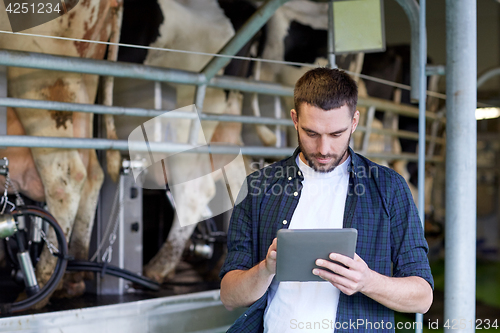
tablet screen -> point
(298, 250)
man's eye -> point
(336, 135)
(312, 135)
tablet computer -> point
(298, 250)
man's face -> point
(324, 135)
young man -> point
(326, 185)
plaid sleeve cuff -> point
(236, 260)
(416, 269)
(407, 236)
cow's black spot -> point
(238, 12)
(140, 26)
(305, 44)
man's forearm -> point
(244, 287)
(403, 294)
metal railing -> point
(107, 68)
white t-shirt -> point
(310, 306)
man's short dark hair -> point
(327, 89)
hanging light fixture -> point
(487, 113)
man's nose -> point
(323, 146)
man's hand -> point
(403, 294)
(244, 287)
(270, 261)
(355, 278)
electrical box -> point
(126, 223)
(358, 26)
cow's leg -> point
(267, 136)
(169, 255)
(113, 157)
(84, 221)
(195, 196)
(62, 171)
(82, 227)
(63, 175)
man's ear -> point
(355, 121)
(295, 118)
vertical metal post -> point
(422, 61)
(331, 37)
(411, 9)
(158, 130)
(368, 129)
(461, 163)
(195, 124)
(158, 95)
(3, 94)
(277, 115)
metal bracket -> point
(435, 70)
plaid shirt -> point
(378, 204)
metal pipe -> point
(368, 130)
(461, 162)
(250, 86)
(158, 130)
(432, 145)
(29, 276)
(401, 134)
(21, 219)
(421, 119)
(401, 156)
(422, 57)
(36, 229)
(421, 109)
(411, 8)
(488, 75)
(379, 104)
(158, 95)
(120, 69)
(137, 112)
(431, 70)
(194, 128)
(242, 36)
(277, 115)
(167, 147)
(138, 146)
(246, 119)
(331, 37)
(122, 111)
(8, 226)
(401, 109)
(252, 120)
(98, 67)
(3, 93)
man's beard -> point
(310, 160)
